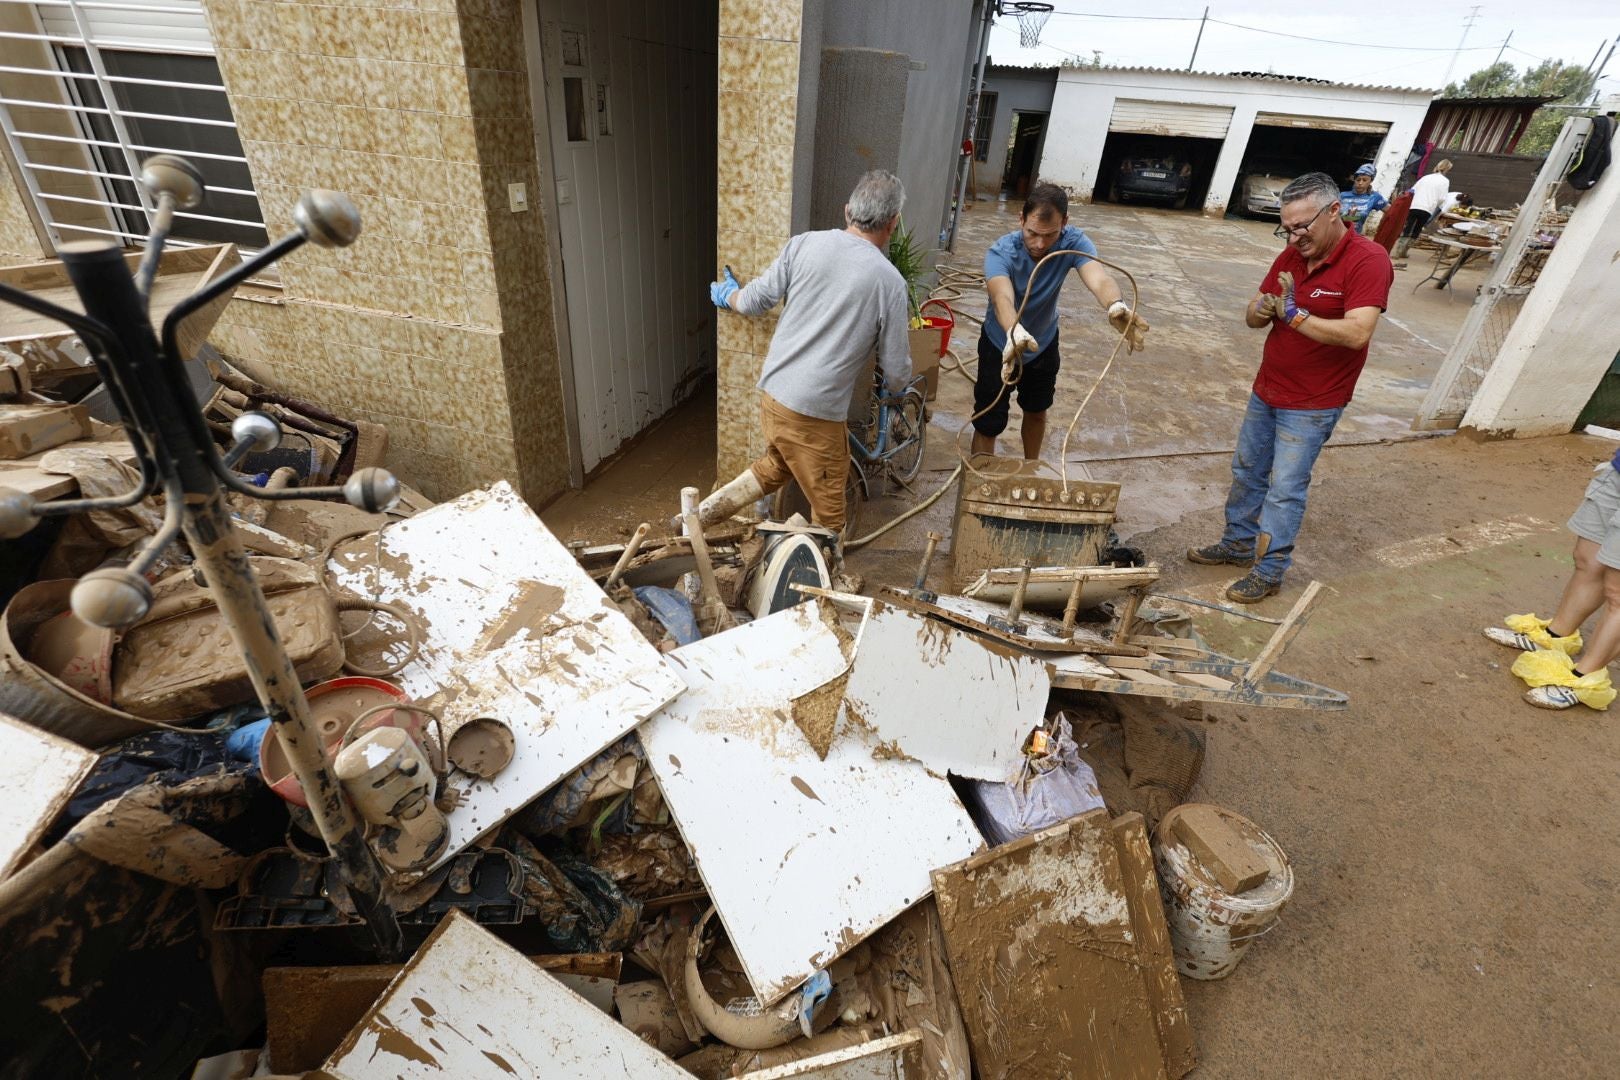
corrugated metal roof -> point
(1032, 69)
(1256, 76)
(1495, 102)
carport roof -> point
(1253, 76)
(1495, 102)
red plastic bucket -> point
(943, 323)
(365, 692)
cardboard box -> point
(925, 358)
(29, 429)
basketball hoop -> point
(1031, 20)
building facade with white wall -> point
(1230, 121)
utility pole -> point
(1598, 75)
(1198, 39)
(1468, 24)
(1503, 49)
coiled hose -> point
(953, 280)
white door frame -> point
(545, 197)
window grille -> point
(983, 123)
(91, 88)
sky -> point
(1416, 42)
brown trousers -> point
(814, 452)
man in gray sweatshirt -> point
(843, 298)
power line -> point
(1132, 18)
(1347, 44)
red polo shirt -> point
(1298, 373)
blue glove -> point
(721, 291)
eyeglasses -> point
(1285, 232)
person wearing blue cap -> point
(1357, 204)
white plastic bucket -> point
(1210, 929)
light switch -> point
(518, 196)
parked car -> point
(1260, 188)
(1152, 177)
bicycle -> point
(887, 445)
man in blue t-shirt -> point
(1357, 204)
(1007, 339)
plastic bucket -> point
(1210, 929)
(942, 323)
(333, 705)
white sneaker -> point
(1552, 697)
(1511, 638)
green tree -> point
(1498, 80)
(1571, 84)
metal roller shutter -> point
(1170, 118)
(1321, 123)
(166, 26)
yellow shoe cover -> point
(1536, 630)
(1549, 667)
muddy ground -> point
(1455, 849)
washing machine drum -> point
(793, 559)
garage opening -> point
(1160, 152)
(1283, 146)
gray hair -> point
(1316, 185)
(876, 200)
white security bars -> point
(91, 88)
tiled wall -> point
(437, 321)
(18, 241)
(759, 79)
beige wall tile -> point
(779, 65)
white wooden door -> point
(630, 100)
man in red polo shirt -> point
(1321, 299)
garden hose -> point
(952, 280)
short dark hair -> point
(1044, 197)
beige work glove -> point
(1135, 330)
(1268, 306)
(1018, 340)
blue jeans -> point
(1271, 471)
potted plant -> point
(928, 334)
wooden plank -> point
(40, 773)
(1196, 678)
(1309, 697)
(24, 474)
(1138, 675)
(1219, 848)
(1153, 951)
(1041, 634)
(1285, 633)
(1044, 954)
(468, 1005)
(880, 1059)
(308, 1010)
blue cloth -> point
(1615, 461)
(1355, 208)
(1271, 471)
(1008, 258)
(243, 743)
(672, 610)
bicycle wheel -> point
(907, 426)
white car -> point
(1260, 190)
